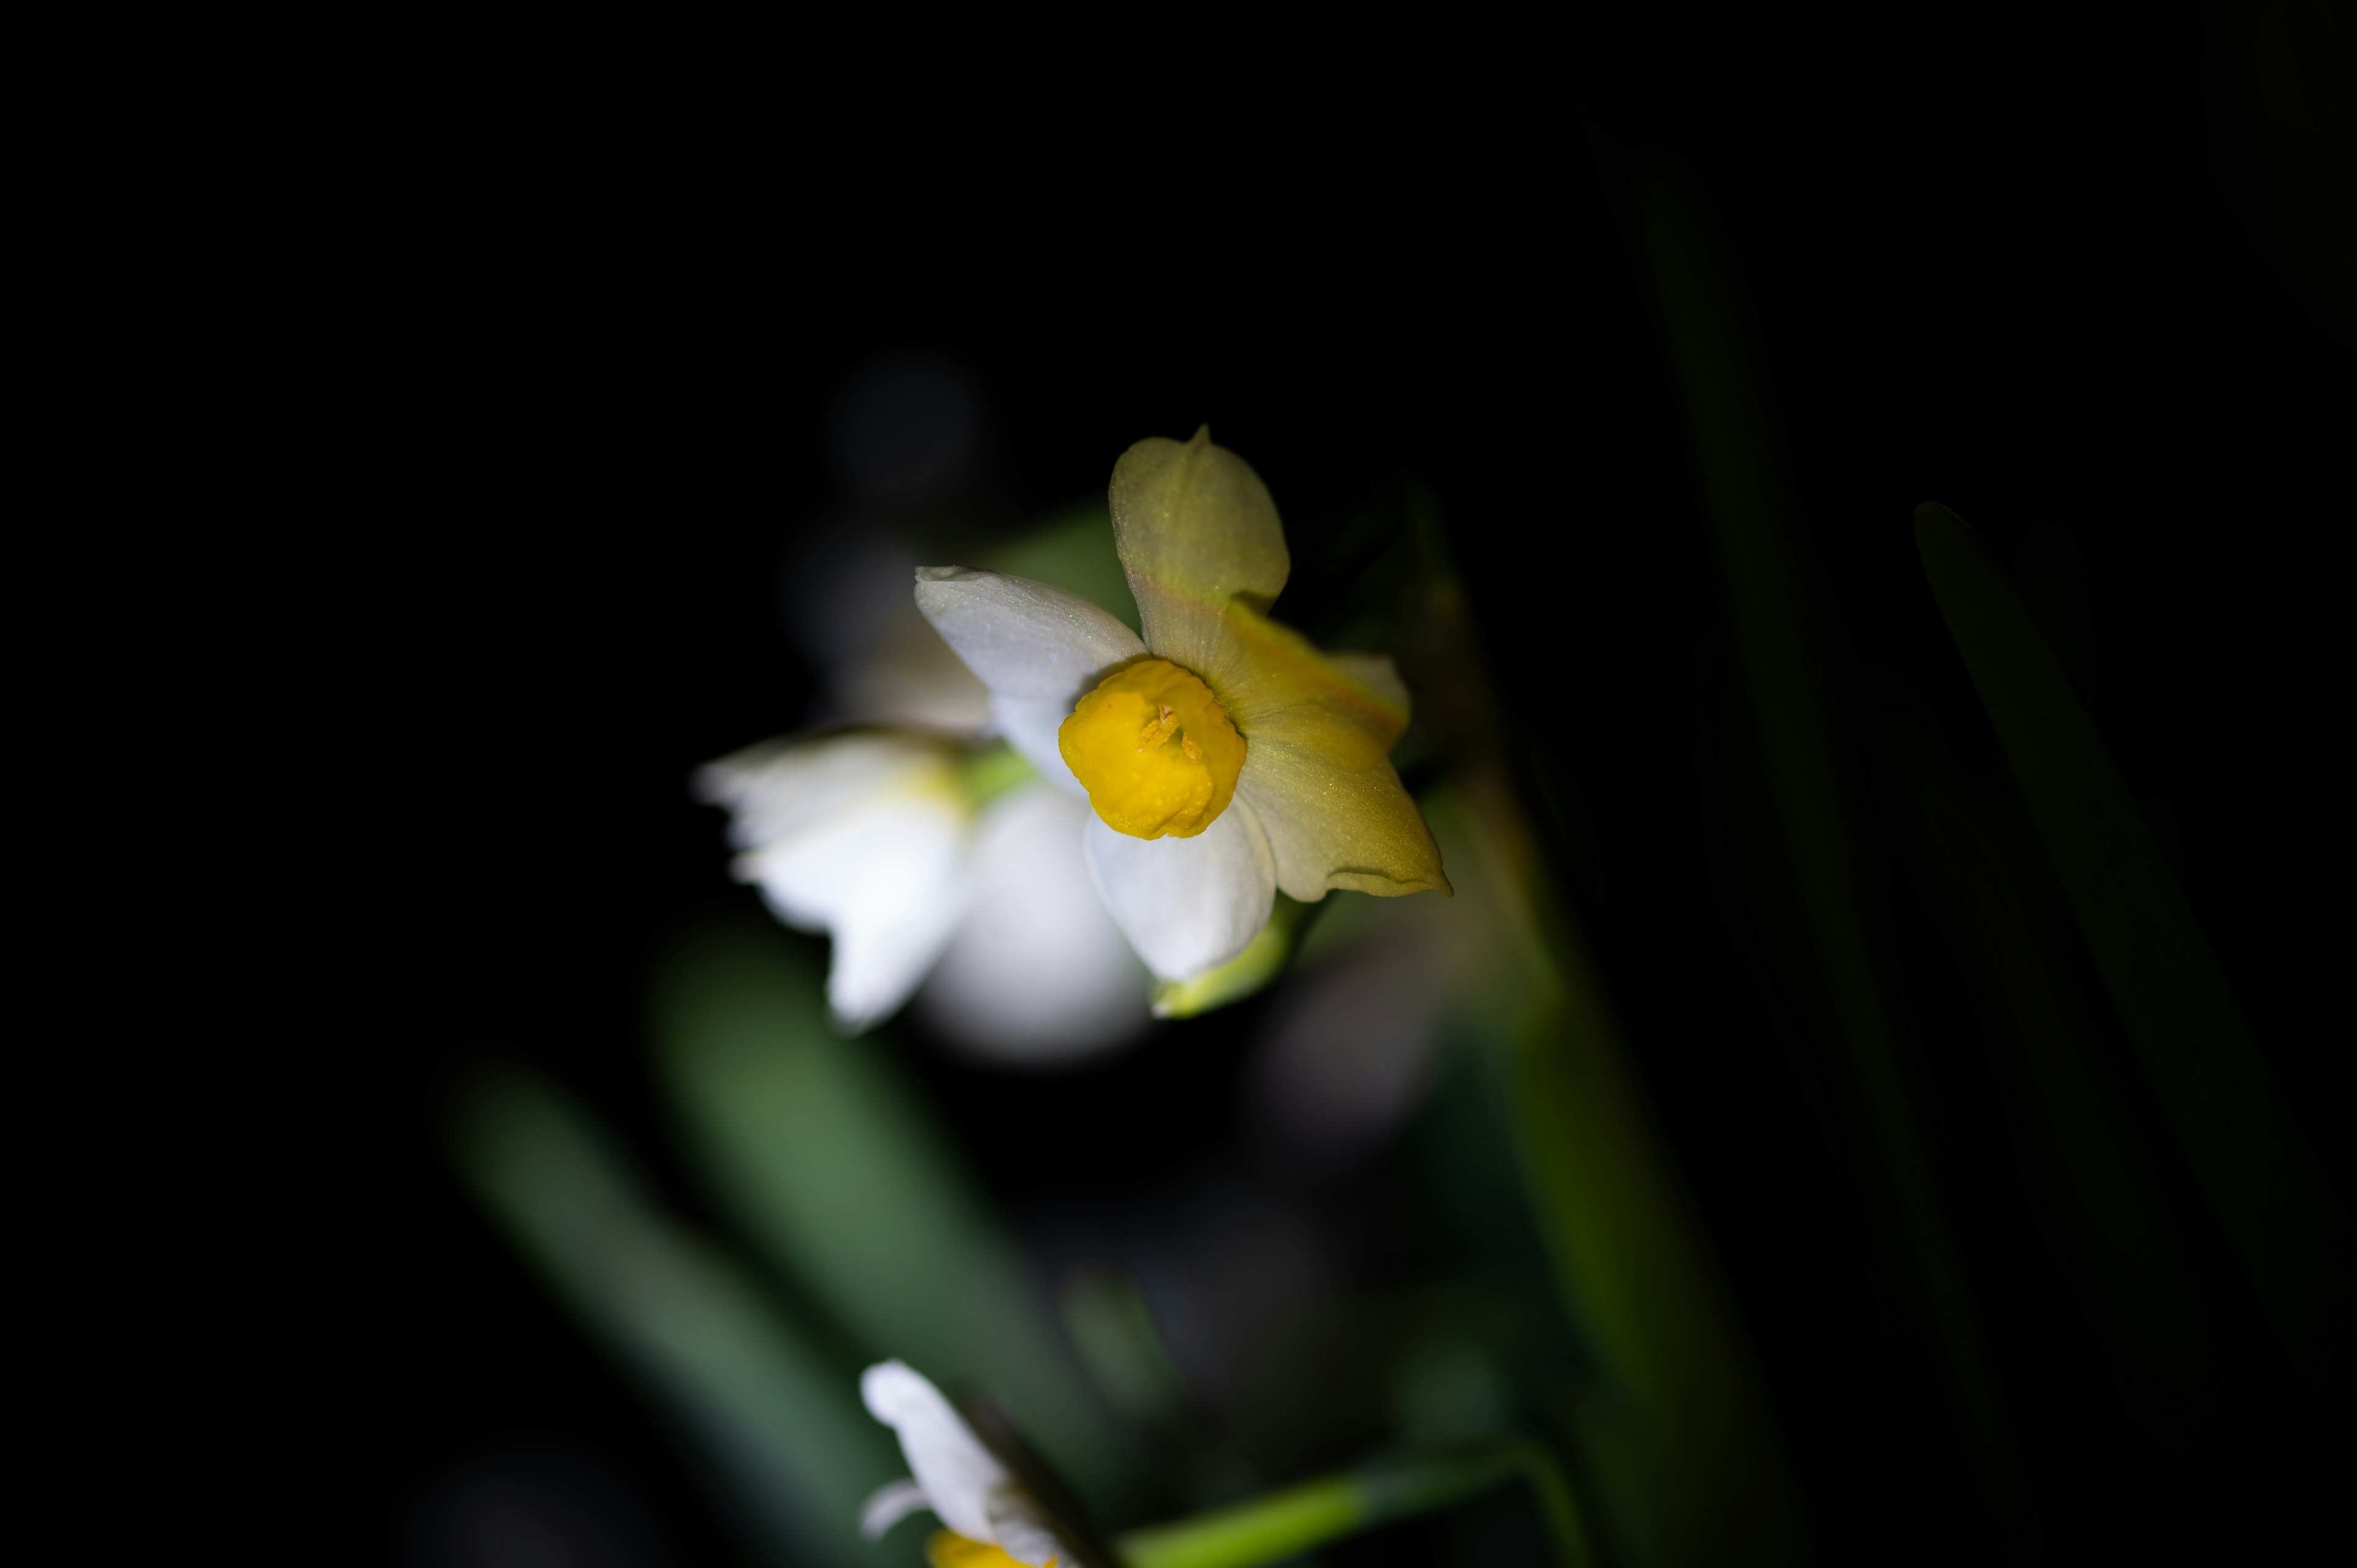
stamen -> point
(1155, 733)
(1186, 743)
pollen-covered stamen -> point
(1117, 744)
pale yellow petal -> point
(1317, 734)
(1273, 671)
(1194, 529)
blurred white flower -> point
(991, 1519)
(914, 849)
(1035, 971)
(861, 835)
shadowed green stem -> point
(1297, 1518)
(1678, 1450)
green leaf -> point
(2086, 1149)
(1673, 1434)
(777, 1417)
(1297, 1518)
(1777, 631)
(2214, 1086)
(813, 1144)
(1676, 1444)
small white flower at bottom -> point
(987, 1512)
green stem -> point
(1281, 1524)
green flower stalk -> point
(1334, 1507)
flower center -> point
(1154, 750)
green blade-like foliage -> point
(1282, 1524)
(2087, 1153)
(778, 1419)
(1675, 1439)
(1672, 1429)
(1776, 628)
(2222, 1102)
(816, 1147)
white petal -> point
(1186, 904)
(1031, 725)
(1038, 971)
(1021, 1529)
(888, 1504)
(959, 1474)
(1023, 638)
(874, 857)
(779, 786)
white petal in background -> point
(1186, 904)
(848, 606)
(781, 788)
(908, 677)
(873, 856)
(1037, 972)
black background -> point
(594, 284)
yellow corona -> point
(1154, 750)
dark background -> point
(604, 281)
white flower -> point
(990, 1517)
(861, 835)
(918, 853)
(1036, 971)
(1223, 757)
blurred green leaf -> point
(1776, 630)
(2086, 1157)
(780, 1422)
(815, 1145)
(2205, 1068)
(1673, 1428)
(1282, 1524)
(1676, 1436)
(1112, 1328)
(1074, 550)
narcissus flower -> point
(925, 855)
(991, 1519)
(1222, 755)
